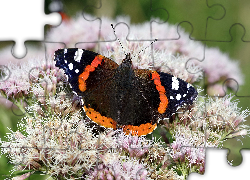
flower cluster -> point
(207, 124)
(55, 136)
(121, 168)
(7, 63)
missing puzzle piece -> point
(29, 21)
(217, 166)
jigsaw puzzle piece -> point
(196, 23)
(189, 148)
(239, 139)
(223, 72)
(74, 31)
(15, 80)
(218, 168)
(103, 10)
(81, 29)
(225, 125)
(29, 27)
(193, 51)
(235, 15)
(235, 79)
(47, 83)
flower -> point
(225, 118)
(78, 32)
(120, 168)
(36, 77)
(134, 145)
(216, 90)
(167, 174)
(189, 148)
(57, 138)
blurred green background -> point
(218, 33)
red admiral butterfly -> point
(118, 96)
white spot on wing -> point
(65, 51)
(70, 66)
(77, 71)
(171, 97)
(175, 83)
(178, 97)
(184, 95)
(65, 61)
(78, 55)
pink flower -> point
(120, 168)
(134, 145)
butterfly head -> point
(127, 63)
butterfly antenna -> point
(145, 48)
(118, 38)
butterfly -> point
(119, 96)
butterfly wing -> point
(88, 73)
(79, 64)
(178, 92)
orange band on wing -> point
(89, 68)
(163, 98)
(143, 129)
(99, 119)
